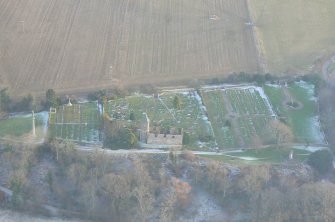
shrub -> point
(227, 123)
(43, 149)
(25, 104)
(177, 102)
(122, 138)
(97, 95)
(321, 160)
(5, 100)
(205, 137)
(132, 116)
(186, 138)
(50, 99)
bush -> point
(43, 149)
(132, 116)
(227, 123)
(177, 102)
(148, 89)
(316, 80)
(122, 138)
(25, 104)
(205, 138)
(5, 100)
(186, 138)
(50, 99)
(321, 160)
(97, 95)
(259, 79)
(269, 77)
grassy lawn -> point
(294, 33)
(261, 156)
(304, 121)
(19, 125)
(162, 113)
(230, 160)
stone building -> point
(149, 136)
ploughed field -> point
(80, 45)
(294, 33)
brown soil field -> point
(88, 44)
(295, 34)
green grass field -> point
(162, 113)
(271, 155)
(294, 33)
(21, 125)
(303, 121)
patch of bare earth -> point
(290, 101)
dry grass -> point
(64, 44)
(294, 33)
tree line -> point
(101, 187)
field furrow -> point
(85, 44)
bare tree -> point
(89, 195)
(254, 178)
(77, 172)
(144, 201)
(282, 133)
(313, 202)
(269, 205)
(167, 207)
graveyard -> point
(76, 122)
(239, 115)
(232, 120)
(190, 116)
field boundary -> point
(256, 40)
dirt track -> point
(72, 44)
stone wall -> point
(164, 139)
